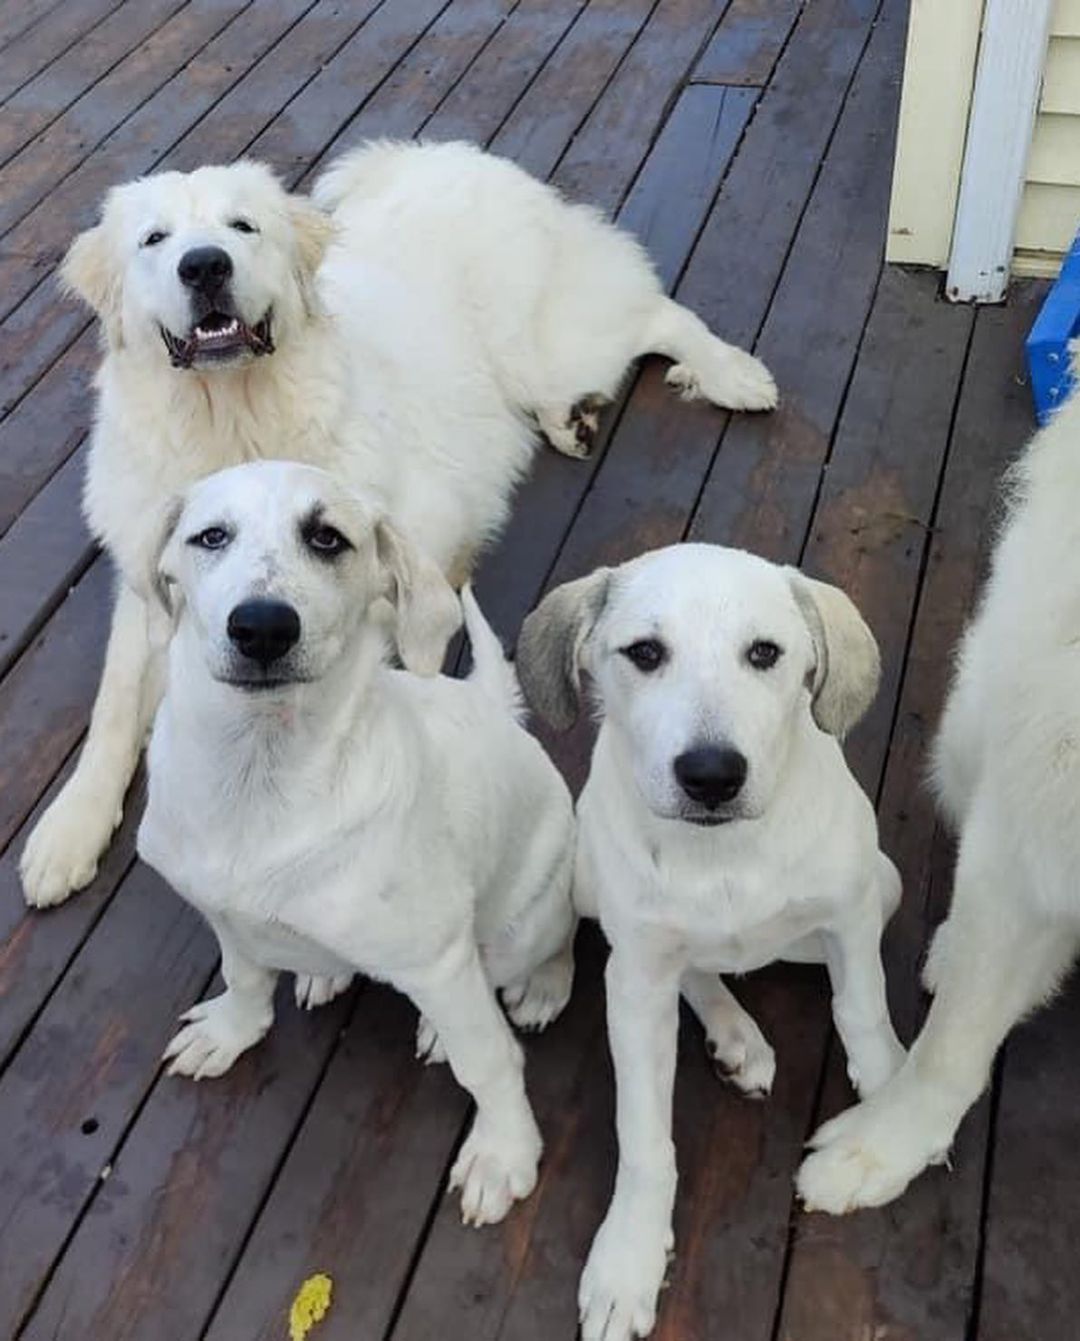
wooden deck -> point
(749, 144)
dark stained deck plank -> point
(912, 1265)
(159, 39)
(480, 103)
(747, 47)
(625, 121)
(544, 120)
(416, 86)
(16, 20)
(50, 39)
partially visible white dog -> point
(1007, 773)
(408, 330)
(719, 829)
(328, 814)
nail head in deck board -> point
(479, 104)
(746, 45)
(50, 40)
(94, 1051)
(911, 1266)
(621, 127)
(45, 698)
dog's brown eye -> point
(762, 654)
(152, 239)
(214, 537)
(243, 225)
(326, 541)
(647, 654)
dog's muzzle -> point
(711, 777)
(218, 333)
(262, 632)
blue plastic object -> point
(1047, 345)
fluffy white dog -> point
(1007, 772)
(328, 814)
(408, 330)
(719, 829)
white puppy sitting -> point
(719, 829)
(327, 813)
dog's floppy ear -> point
(549, 649)
(313, 230)
(89, 272)
(427, 608)
(156, 580)
(847, 665)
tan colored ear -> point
(548, 658)
(154, 576)
(847, 664)
(313, 231)
(427, 609)
(89, 273)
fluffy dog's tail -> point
(491, 671)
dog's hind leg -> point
(536, 999)
(703, 364)
(733, 1040)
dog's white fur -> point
(1007, 774)
(358, 817)
(795, 871)
(430, 309)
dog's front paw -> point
(215, 1033)
(62, 853)
(313, 991)
(495, 1169)
(868, 1155)
(622, 1278)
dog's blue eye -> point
(326, 541)
(214, 537)
(762, 654)
(152, 239)
(243, 226)
(647, 654)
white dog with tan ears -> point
(1007, 772)
(719, 829)
(328, 814)
(410, 329)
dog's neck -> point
(240, 409)
(268, 751)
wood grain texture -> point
(748, 42)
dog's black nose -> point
(205, 269)
(711, 775)
(264, 630)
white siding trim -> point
(1007, 83)
(939, 70)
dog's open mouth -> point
(219, 337)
